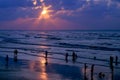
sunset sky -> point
(59, 14)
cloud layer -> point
(65, 14)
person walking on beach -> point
(15, 54)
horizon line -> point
(62, 30)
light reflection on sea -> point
(86, 44)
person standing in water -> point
(46, 54)
(66, 57)
(7, 58)
(15, 54)
(73, 56)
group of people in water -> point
(15, 56)
(74, 57)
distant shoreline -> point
(69, 30)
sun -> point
(44, 12)
(45, 15)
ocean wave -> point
(88, 47)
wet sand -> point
(43, 70)
(37, 70)
(92, 48)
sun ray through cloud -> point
(44, 15)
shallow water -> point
(86, 44)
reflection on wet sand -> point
(32, 46)
(42, 65)
(43, 74)
(86, 73)
(39, 66)
(32, 64)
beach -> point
(93, 50)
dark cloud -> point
(8, 14)
(116, 0)
(95, 16)
(17, 3)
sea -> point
(93, 49)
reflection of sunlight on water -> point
(110, 76)
(43, 74)
(87, 72)
(42, 62)
(44, 47)
(41, 67)
(107, 73)
(32, 64)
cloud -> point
(9, 14)
(82, 14)
(116, 0)
(18, 3)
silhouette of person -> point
(94, 58)
(46, 61)
(101, 75)
(6, 58)
(116, 60)
(15, 54)
(46, 54)
(111, 62)
(73, 56)
(85, 67)
(92, 70)
(66, 57)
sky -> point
(59, 14)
